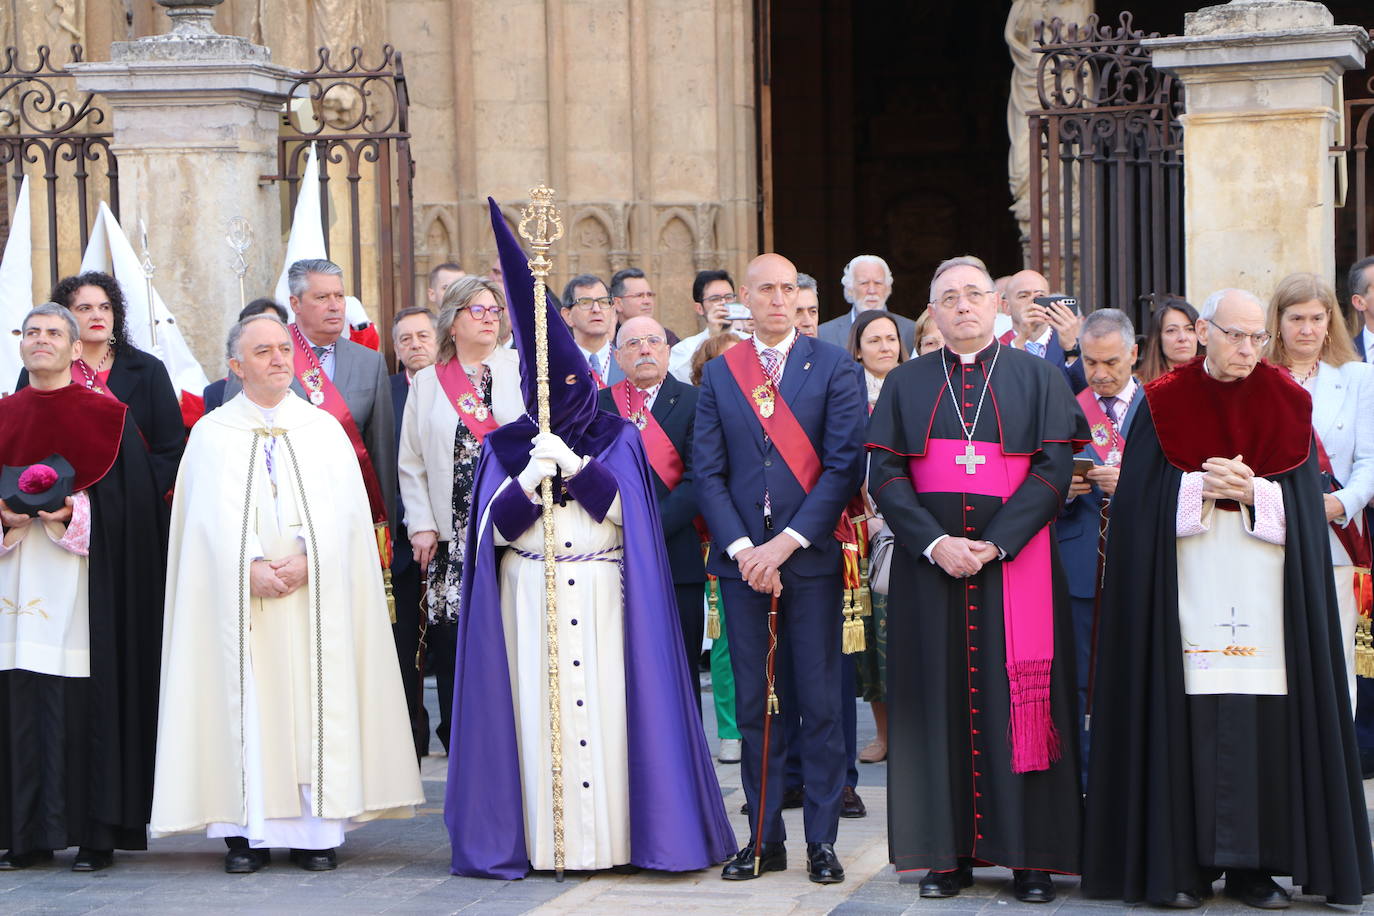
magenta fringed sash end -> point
(1034, 739)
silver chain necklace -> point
(970, 459)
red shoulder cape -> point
(1266, 418)
(84, 427)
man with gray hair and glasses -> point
(1222, 732)
(589, 311)
(867, 284)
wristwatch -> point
(1074, 351)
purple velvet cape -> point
(677, 818)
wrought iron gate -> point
(356, 116)
(1354, 174)
(60, 137)
(1106, 166)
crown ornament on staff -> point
(239, 238)
(541, 226)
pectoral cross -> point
(1234, 625)
(970, 459)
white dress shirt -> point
(326, 359)
(603, 358)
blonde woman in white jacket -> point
(1310, 340)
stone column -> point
(195, 118)
(1261, 82)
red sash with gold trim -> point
(322, 393)
(779, 423)
(474, 413)
(663, 455)
(1106, 436)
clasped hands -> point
(549, 455)
(277, 578)
(760, 567)
(1228, 478)
(963, 557)
(16, 521)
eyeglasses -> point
(481, 311)
(1259, 339)
(721, 299)
(647, 294)
(634, 343)
(587, 302)
(974, 296)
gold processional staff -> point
(541, 226)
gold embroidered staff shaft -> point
(541, 226)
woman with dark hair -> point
(876, 343)
(110, 364)
(1171, 338)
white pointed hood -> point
(16, 289)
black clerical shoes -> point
(15, 861)
(245, 861)
(1032, 886)
(92, 859)
(822, 865)
(315, 859)
(946, 883)
(741, 867)
(1185, 900)
(1256, 889)
(851, 805)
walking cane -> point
(769, 711)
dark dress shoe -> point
(315, 859)
(822, 865)
(1257, 890)
(946, 883)
(1032, 886)
(15, 861)
(794, 798)
(1185, 900)
(92, 859)
(246, 861)
(851, 805)
(741, 867)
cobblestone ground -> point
(402, 867)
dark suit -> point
(1364, 686)
(734, 466)
(675, 410)
(214, 394)
(1076, 530)
(1054, 355)
(141, 382)
(838, 330)
(405, 585)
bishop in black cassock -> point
(971, 452)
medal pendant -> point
(481, 413)
(763, 397)
(317, 398)
(1113, 458)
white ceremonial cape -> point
(361, 758)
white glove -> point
(550, 446)
(535, 472)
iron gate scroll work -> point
(1353, 146)
(1106, 166)
(62, 137)
(356, 116)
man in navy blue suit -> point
(413, 337)
(1109, 403)
(1049, 332)
(778, 454)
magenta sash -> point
(1027, 593)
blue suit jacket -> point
(1077, 526)
(401, 556)
(824, 388)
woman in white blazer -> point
(478, 378)
(1309, 338)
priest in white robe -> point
(283, 718)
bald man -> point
(1049, 332)
(772, 489)
(663, 409)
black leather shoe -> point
(1257, 890)
(946, 883)
(1031, 886)
(246, 861)
(822, 865)
(851, 805)
(15, 861)
(793, 798)
(1185, 900)
(315, 859)
(741, 867)
(92, 859)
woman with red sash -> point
(473, 388)
(1310, 340)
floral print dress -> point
(446, 568)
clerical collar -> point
(979, 356)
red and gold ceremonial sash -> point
(663, 455)
(1106, 436)
(791, 441)
(474, 413)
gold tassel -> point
(390, 595)
(864, 603)
(772, 703)
(712, 610)
(853, 640)
(1364, 648)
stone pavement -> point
(401, 867)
